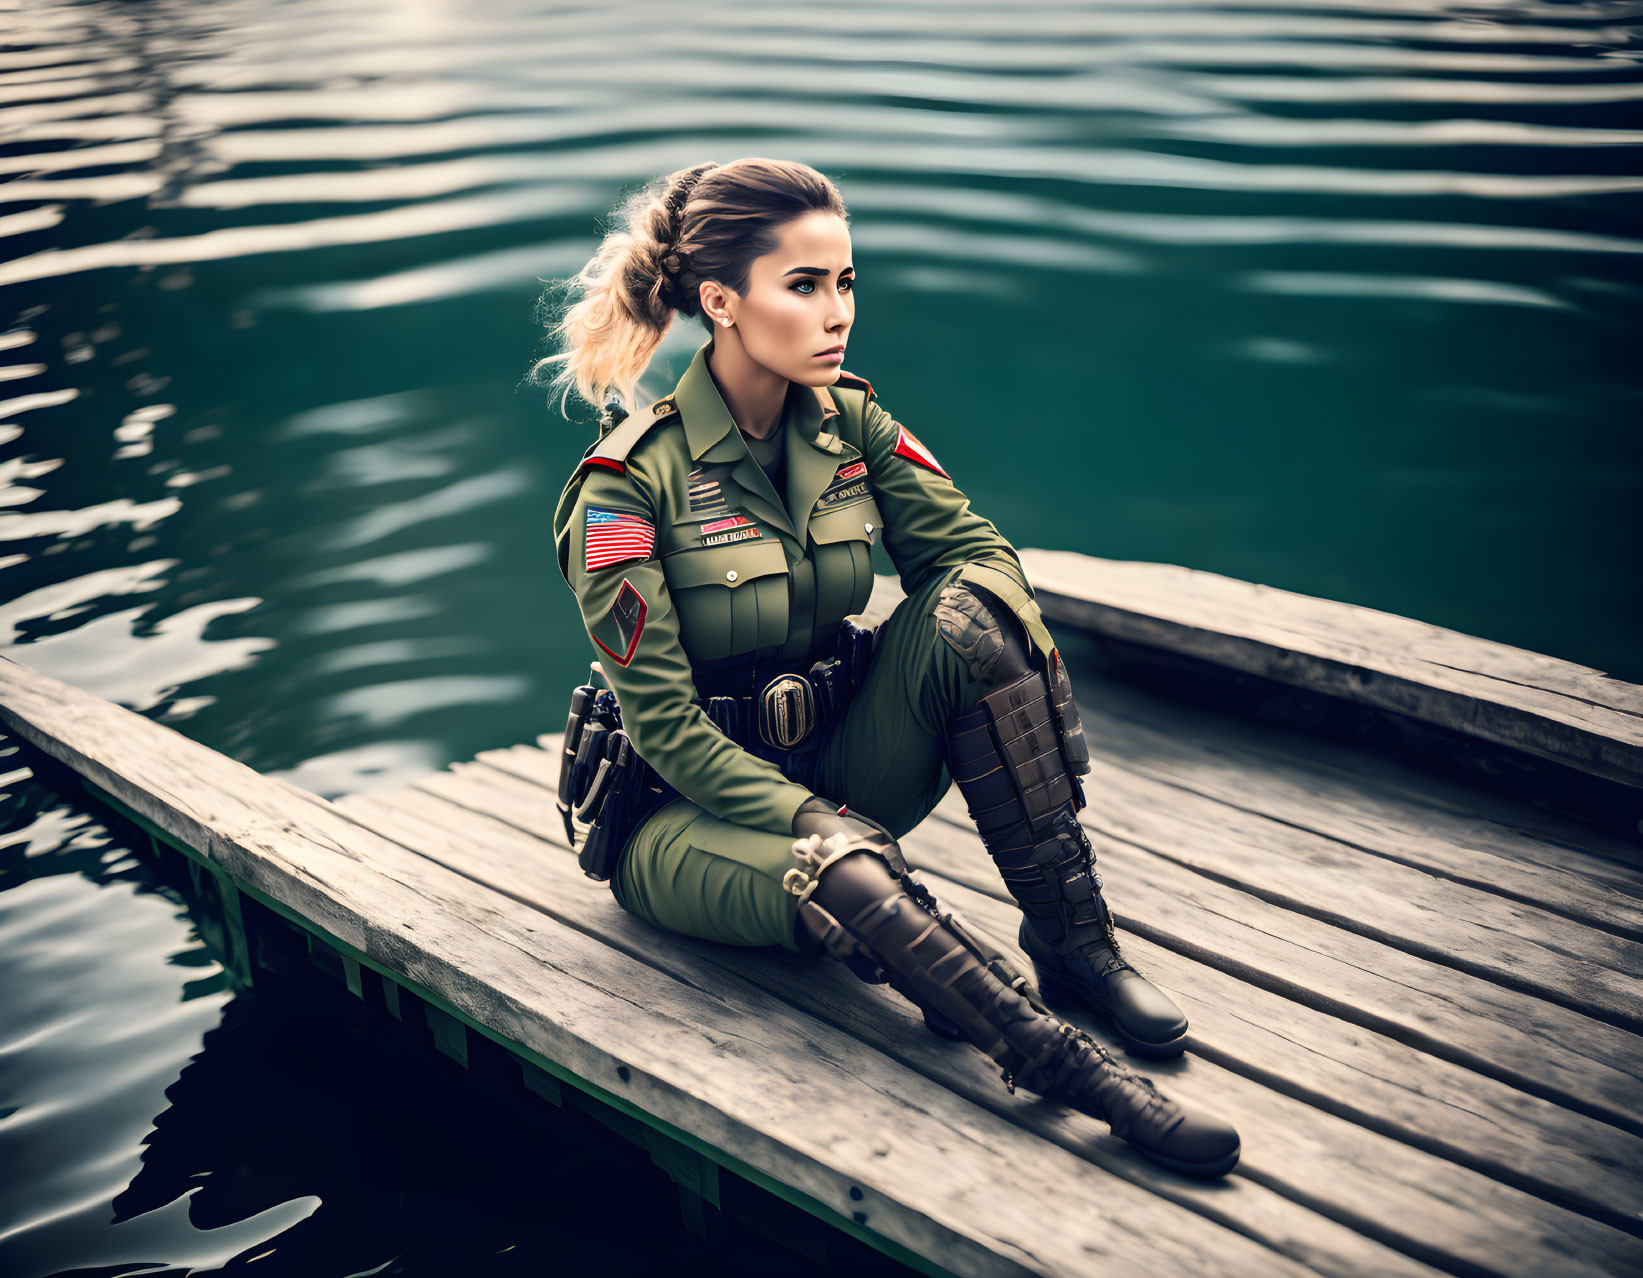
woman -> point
(716, 539)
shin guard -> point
(1016, 758)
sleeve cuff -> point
(788, 802)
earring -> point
(725, 322)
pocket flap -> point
(724, 565)
(859, 521)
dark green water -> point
(1340, 297)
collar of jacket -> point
(814, 455)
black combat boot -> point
(1016, 758)
(859, 902)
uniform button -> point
(731, 575)
(869, 528)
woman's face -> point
(799, 301)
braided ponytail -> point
(705, 222)
(669, 262)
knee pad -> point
(985, 633)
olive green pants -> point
(688, 871)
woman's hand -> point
(818, 816)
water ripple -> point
(1323, 284)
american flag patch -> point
(615, 535)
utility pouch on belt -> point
(857, 645)
(838, 680)
(603, 783)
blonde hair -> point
(706, 222)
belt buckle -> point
(787, 711)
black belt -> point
(784, 714)
(789, 710)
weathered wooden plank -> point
(1195, 597)
(1380, 1084)
(1371, 805)
(788, 1096)
(1583, 1064)
(525, 805)
(1342, 1170)
(1553, 709)
(1495, 937)
(1549, 1051)
(1373, 1079)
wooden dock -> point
(1417, 995)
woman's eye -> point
(808, 287)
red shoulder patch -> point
(907, 445)
(609, 462)
(851, 382)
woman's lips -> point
(836, 357)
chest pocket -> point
(730, 599)
(844, 559)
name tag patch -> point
(735, 534)
(848, 495)
(719, 525)
(847, 486)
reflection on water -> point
(1338, 296)
(170, 1126)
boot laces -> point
(1113, 1084)
(1092, 950)
(1116, 961)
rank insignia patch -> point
(615, 535)
(855, 470)
(706, 497)
(618, 631)
(907, 445)
(719, 525)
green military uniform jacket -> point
(681, 553)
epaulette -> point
(612, 448)
(851, 382)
